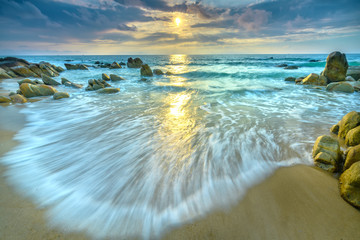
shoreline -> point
(298, 202)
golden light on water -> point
(177, 21)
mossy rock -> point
(17, 98)
(330, 156)
(49, 81)
(352, 156)
(335, 129)
(348, 122)
(4, 99)
(349, 182)
(146, 71)
(105, 77)
(29, 90)
(158, 72)
(60, 95)
(336, 67)
(108, 90)
(353, 137)
(114, 77)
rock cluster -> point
(327, 155)
(11, 67)
(134, 63)
(96, 85)
(334, 76)
(76, 66)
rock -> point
(60, 95)
(30, 90)
(146, 71)
(114, 65)
(313, 60)
(37, 81)
(336, 67)
(122, 64)
(17, 98)
(97, 62)
(4, 74)
(105, 77)
(114, 77)
(49, 81)
(76, 66)
(350, 79)
(23, 71)
(290, 79)
(143, 79)
(4, 99)
(349, 183)
(348, 122)
(11, 93)
(282, 65)
(291, 67)
(9, 62)
(96, 84)
(340, 87)
(354, 72)
(352, 156)
(47, 69)
(353, 137)
(108, 90)
(26, 80)
(58, 68)
(158, 72)
(134, 63)
(314, 79)
(335, 129)
(67, 83)
(36, 69)
(331, 159)
(299, 80)
(169, 73)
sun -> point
(177, 21)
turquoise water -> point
(167, 151)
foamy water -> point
(170, 150)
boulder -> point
(169, 73)
(49, 81)
(326, 153)
(299, 80)
(4, 99)
(26, 80)
(290, 79)
(36, 69)
(314, 79)
(114, 65)
(58, 68)
(336, 67)
(350, 79)
(349, 183)
(76, 66)
(30, 90)
(60, 95)
(354, 72)
(4, 74)
(134, 63)
(353, 137)
(17, 98)
(8, 62)
(108, 90)
(96, 85)
(47, 69)
(114, 77)
(158, 72)
(340, 87)
(335, 129)
(291, 67)
(348, 122)
(23, 71)
(282, 65)
(146, 71)
(352, 156)
(67, 83)
(105, 77)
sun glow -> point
(177, 21)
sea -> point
(169, 150)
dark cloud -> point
(124, 27)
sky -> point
(113, 27)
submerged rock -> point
(114, 65)
(60, 95)
(353, 137)
(282, 65)
(49, 81)
(134, 63)
(29, 90)
(4, 99)
(114, 77)
(352, 156)
(349, 183)
(336, 67)
(348, 122)
(158, 72)
(291, 67)
(354, 72)
(108, 90)
(340, 87)
(290, 79)
(326, 153)
(96, 85)
(67, 83)
(146, 71)
(17, 98)
(76, 66)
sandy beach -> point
(299, 202)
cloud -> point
(124, 27)
(253, 20)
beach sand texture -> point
(299, 202)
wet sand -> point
(299, 202)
